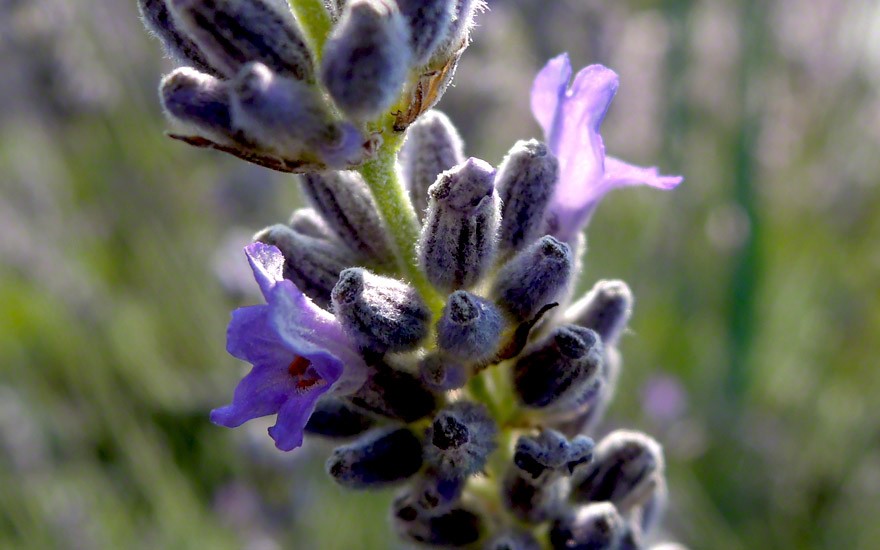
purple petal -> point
(252, 338)
(548, 90)
(267, 263)
(315, 334)
(620, 174)
(262, 392)
(292, 418)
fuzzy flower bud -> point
(455, 528)
(433, 494)
(379, 458)
(284, 114)
(432, 146)
(198, 100)
(557, 372)
(460, 440)
(333, 417)
(428, 22)
(378, 313)
(535, 277)
(441, 373)
(457, 243)
(592, 527)
(307, 221)
(366, 58)
(470, 328)
(525, 181)
(159, 20)
(605, 309)
(347, 205)
(394, 394)
(623, 472)
(513, 540)
(312, 264)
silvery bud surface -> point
(232, 33)
(459, 527)
(460, 440)
(394, 394)
(198, 100)
(378, 313)
(457, 244)
(428, 22)
(379, 458)
(606, 309)
(551, 452)
(157, 17)
(525, 182)
(624, 470)
(458, 32)
(558, 370)
(366, 58)
(307, 221)
(335, 418)
(312, 264)
(280, 113)
(592, 527)
(513, 540)
(536, 276)
(469, 328)
(432, 146)
(346, 204)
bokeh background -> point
(755, 343)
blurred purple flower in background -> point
(664, 400)
(288, 341)
(571, 117)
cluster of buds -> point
(455, 365)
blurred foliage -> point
(757, 280)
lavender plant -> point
(419, 311)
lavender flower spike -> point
(571, 117)
(288, 341)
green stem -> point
(394, 205)
(315, 22)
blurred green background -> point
(754, 349)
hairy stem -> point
(394, 205)
(315, 22)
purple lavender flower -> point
(288, 341)
(570, 117)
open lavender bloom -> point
(407, 312)
(571, 117)
(298, 352)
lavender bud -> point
(378, 313)
(332, 417)
(381, 457)
(395, 394)
(605, 309)
(306, 221)
(458, 33)
(455, 528)
(312, 264)
(345, 202)
(232, 33)
(513, 540)
(550, 452)
(433, 494)
(592, 527)
(525, 181)
(592, 403)
(281, 113)
(470, 328)
(560, 369)
(159, 21)
(366, 58)
(432, 146)
(533, 278)
(457, 244)
(623, 472)
(198, 100)
(460, 440)
(442, 373)
(531, 501)
(428, 22)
